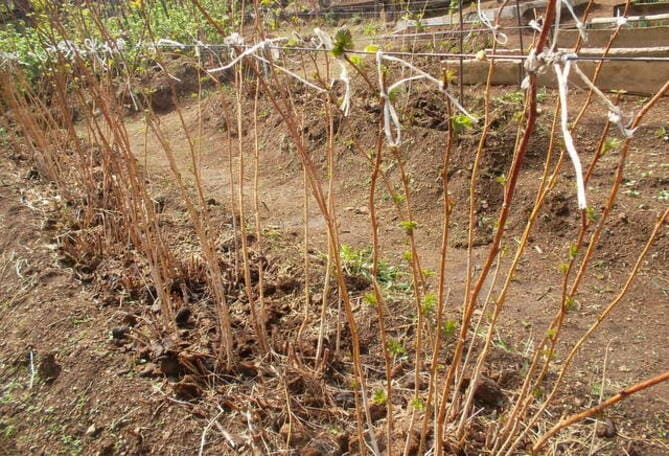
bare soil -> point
(81, 371)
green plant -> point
(396, 348)
(449, 328)
(515, 97)
(359, 262)
(417, 404)
(72, 444)
(429, 303)
(343, 41)
(369, 30)
(380, 397)
(7, 429)
(409, 226)
(610, 144)
(461, 123)
(330, 18)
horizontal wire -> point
(421, 54)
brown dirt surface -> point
(82, 370)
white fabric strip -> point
(326, 43)
(498, 36)
(291, 74)
(563, 78)
(249, 51)
(389, 112)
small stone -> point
(93, 430)
(362, 210)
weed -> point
(370, 299)
(461, 123)
(409, 226)
(513, 98)
(7, 430)
(429, 303)
(449, 328)
(72, 444)
(369, 30)
(610, 144)
(358, 262)
(417, 404)
(380, 397)
(396, 348)
(343, 41)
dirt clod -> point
(377, 411)
(345, 399)
(120, 332)
(187, 388)
(169, 365)
(182, 317)
(288, 284)
(129, 319)
(49, 369)
(606, 429)
(489, 393)
(149, 370)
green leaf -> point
(449, 328)
(409, 226)
(379, 397)
(370, 298)
(429, 303)
(356, 60)
(343, 41)
(609, 144)
(462, 122)
(395, 347)
(417, 404)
